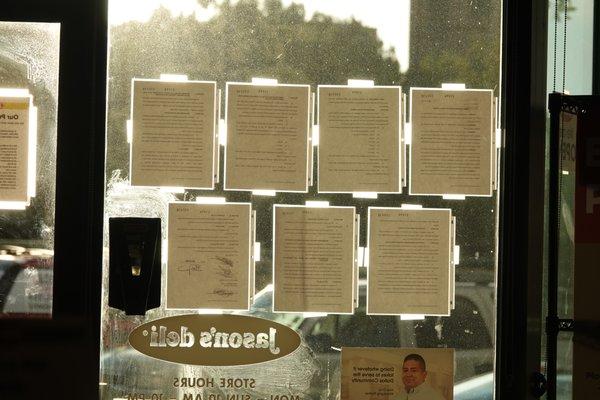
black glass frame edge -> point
(554, 106)
(596, 54)
(521, 244)
(80, 177)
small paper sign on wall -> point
(209, 258)
(378, 373)
(267, 137)
(452, 142)
(359, 139)
(17, 148)
(173, 139)
(313, 262)
(409, 261)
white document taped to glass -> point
(209, 258)
(267, 137)
(409, 261)
(313, 261)
(15, 142)
(452, 142)
(359, 139)
(174, 127)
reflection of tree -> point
(242, 41)
(455, 41)
(458, 41)
(560, 5)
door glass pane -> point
(399, 43)
(29, 60)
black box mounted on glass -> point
(135, 264)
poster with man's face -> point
(378, 373)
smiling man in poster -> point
(414, 376)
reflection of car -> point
(25, 282)
(469, 330)
(481, 388)
(124, 370)
(476, 388)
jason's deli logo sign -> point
(162, 337)
(215, 340)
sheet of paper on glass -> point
(267, 137)
(313, 261)
(568, 132)
(359, 139)
(173, 133)
(409, 261)
(452, 142)
(393, 373)
(14, 148)
(209, 256)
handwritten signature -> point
(225, 267)
(223, 292)
(189, 268)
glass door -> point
(346, 155)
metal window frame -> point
(79, 193)
(521, 253)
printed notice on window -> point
(359, 139)
(267, 137)
(313, 263)
(452, 142)
(409, 261)
(14, 148)
(568, 132)
(173, 142)
(209, 256)
(393, 373)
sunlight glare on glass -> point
(391, 19)
(123, 11)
